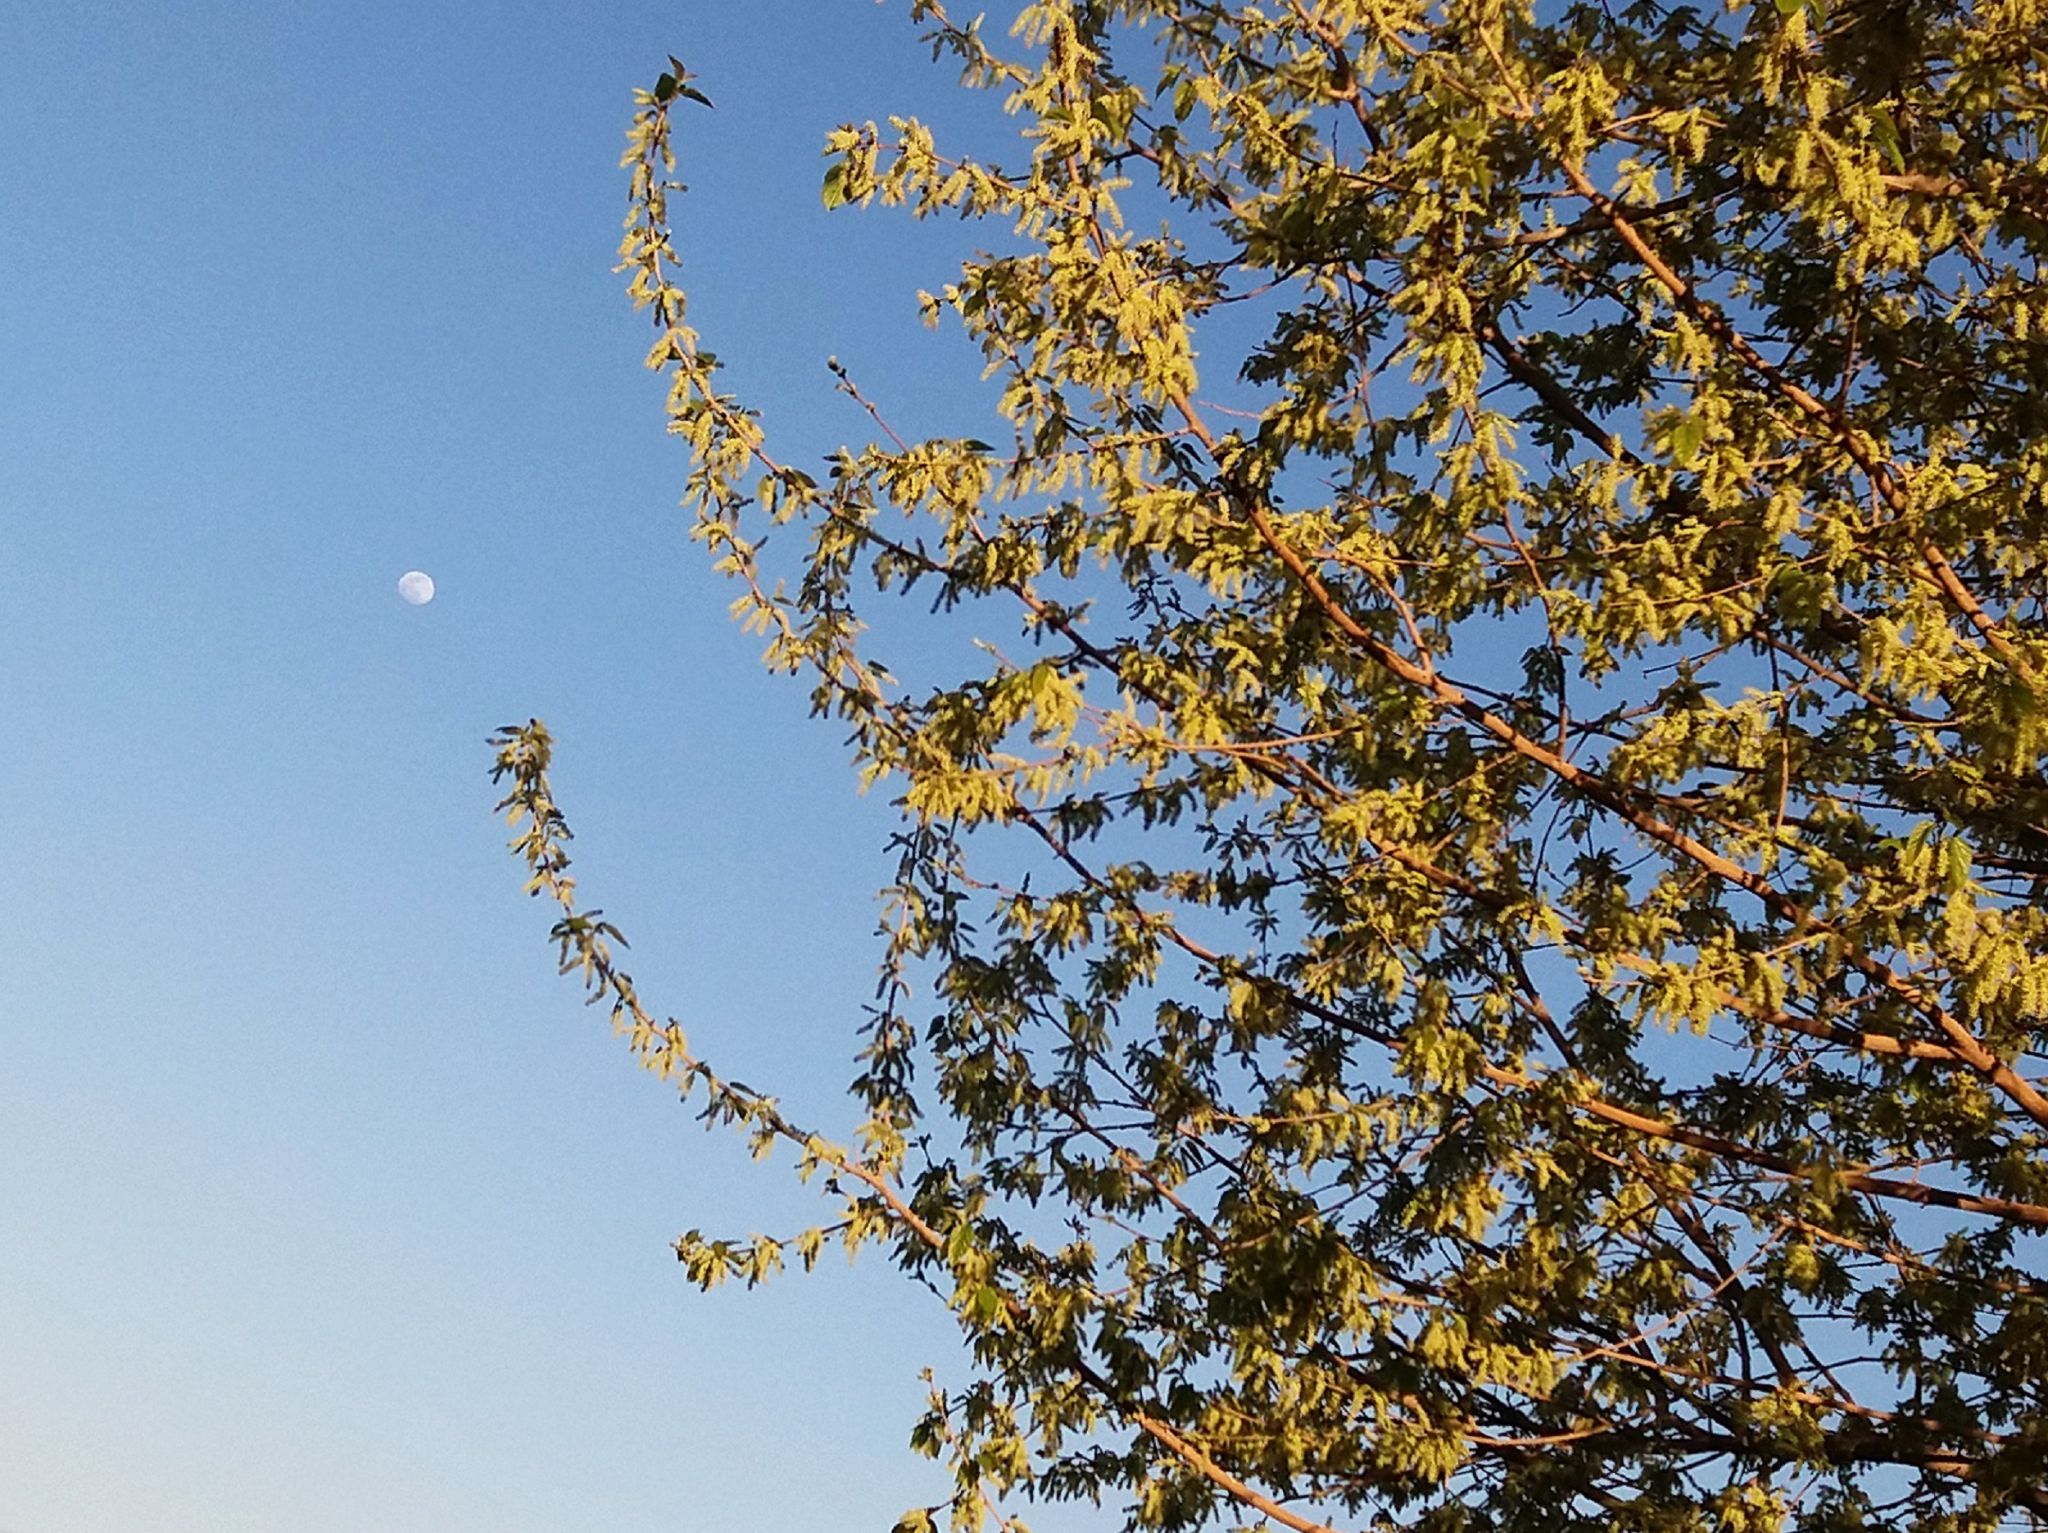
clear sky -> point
(323, 1204)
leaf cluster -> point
(1483, 967)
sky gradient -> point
(325, 1205)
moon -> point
(417, 587)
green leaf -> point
(676, 82)
(1886, 132)
(834, 194)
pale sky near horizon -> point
(324, 1205)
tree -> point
(1480, 967)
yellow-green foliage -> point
(1467, 949)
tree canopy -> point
(1466, 951)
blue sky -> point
(325, 1206)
